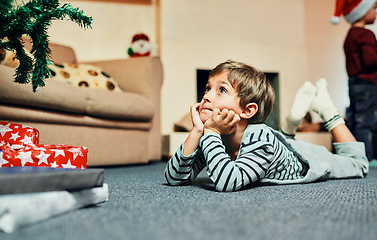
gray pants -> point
(362, 113)
(349, 161)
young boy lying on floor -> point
(230, 139)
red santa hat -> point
(139, 37)
(352, 10)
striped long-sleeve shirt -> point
(262, 155)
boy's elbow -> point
(219, 189)
(222, 188)
(172, 181)
(178, 183)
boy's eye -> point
(206, 89)
(222, 90)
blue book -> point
(41, 179)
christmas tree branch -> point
(5, 5)
(33, 19)
(22, 74)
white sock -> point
(301, 105)
(324, 106)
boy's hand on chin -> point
(222, 122)
(197, 123)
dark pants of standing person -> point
(361, 115)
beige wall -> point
(324, 46)
(293, 38)
(113, 26)
(200, 34)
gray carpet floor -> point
(141, 206)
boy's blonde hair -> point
(251, 85)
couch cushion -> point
(61, 96)
(118, 105)
(55, 95)
(11, 113)
(59, 53)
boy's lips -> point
(206, 110)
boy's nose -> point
(207, 97)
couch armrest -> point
(141, 75)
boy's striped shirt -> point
(261, 155)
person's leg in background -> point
(362, 114)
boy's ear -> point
(250, 110)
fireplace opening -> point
(273, 120)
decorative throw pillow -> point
(8, 58)
(83, 75)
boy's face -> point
(370, 16)
(219, 94)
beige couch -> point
(117, 127)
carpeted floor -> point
(141, 206)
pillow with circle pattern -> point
(8, 58)
(83, 75)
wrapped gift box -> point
(41, 155)
(13, 133)
(19, 146)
